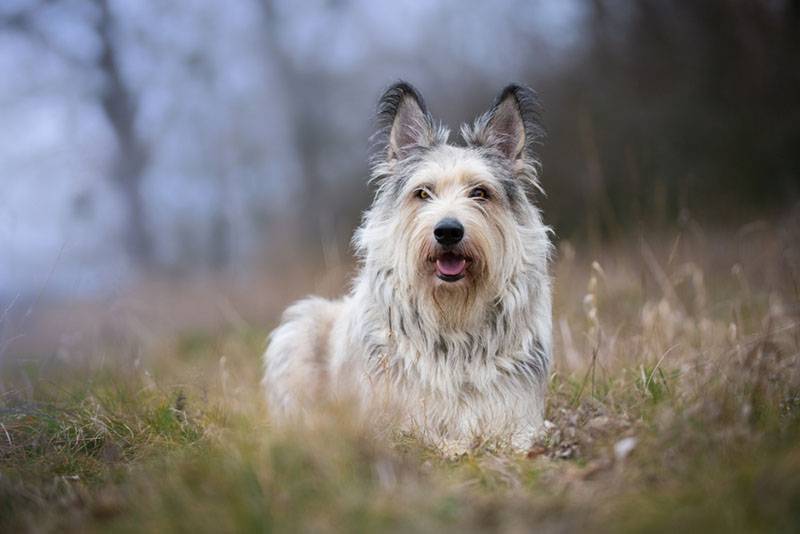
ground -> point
(674, 404)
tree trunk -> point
(131, 159)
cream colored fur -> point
(455, 363)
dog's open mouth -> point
(451, 266)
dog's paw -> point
(523, 441)
(455, 449)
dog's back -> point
(296, 361)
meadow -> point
(674, 403)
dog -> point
(448, 323)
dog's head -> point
(454, 219)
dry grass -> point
(674, 403)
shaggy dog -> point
(448, 324)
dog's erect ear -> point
(512, 125)
(404, 121)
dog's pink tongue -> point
(451, 265)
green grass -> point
(180, 440)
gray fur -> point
(451, 362)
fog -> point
(188, 137)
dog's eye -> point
(422, 194)
(479, 193)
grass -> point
(674, 404)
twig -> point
(589, 371)
(658, 364)
(659, 274)
(8, 436)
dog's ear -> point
(404, 121)
(512, 125)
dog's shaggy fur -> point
(449, 333)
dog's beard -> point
(454, 280)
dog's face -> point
(456, 221)
(451, 220)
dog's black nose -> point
(448, 232)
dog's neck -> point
(454, 326)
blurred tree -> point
(118, 103)
(249, 122)
(679, 108)
(301, 95)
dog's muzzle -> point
(449, 232)
(451, 265)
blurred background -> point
(195, 165)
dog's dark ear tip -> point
(512, 88)
(393, 97)
(403, 120)
(512, 124)
(526, 98)
(403, 87)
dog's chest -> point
(464, 366)
(402, 343)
